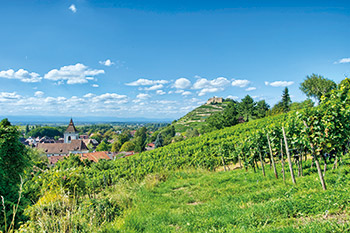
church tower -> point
(71, 133)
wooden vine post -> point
(262, 163)
(288, 156)
(316, 161)
(282, 162)
(271, 155)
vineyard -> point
(318, 136)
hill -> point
(196, 118)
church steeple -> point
(71, 132)
(71, 128)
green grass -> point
(239, 201)
(198, 200)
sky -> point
(161, 59)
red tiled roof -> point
(95, 156)
(55, 159)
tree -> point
(190, 133)
(127, 146)
(316, 85)
(261, 109)
(116, 146)
(286, 101)
(27, 129)
(159, 141)
(13, 161)
(140, 139)
(103, 146)
(246, 107)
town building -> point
(71, 145)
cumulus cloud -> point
(146, 82)
(95, 85)
(38, 94)
(186, 93)
(107, 62)
(343, 60)
(73, 8)
(108, 98)
(240, 83)
(182, 83)
(153, 88)
(232, 97)
(73, 74)
(279, 83)
(143, 96)
(210, 86)
(160, 92)
(89, 95)
(220, 82)
(250, 89)
(22, 75)
(208, 90)
(8, 96)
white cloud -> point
(279, 83)
(179, 91)
(9, 96)
(204, 83)
(343, 60)
(89, 95)
(186, 93)
(153, 88)
(160, 92)
(143, 96)
(73, 8)
(107, 62)
(95, 85)
(208, 90)
(240, 83)
(108, 98)
(232, 97)
(146, 82)
(38, 94)
(22, 75)
(250, 89)
(73, 74)
(182, 83)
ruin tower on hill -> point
(215, 100)
(71, 133)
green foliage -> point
(316, 85)
(104, 146)
(159, 141)
(286, 101)
(128, 146)
(140, 139)
(13, 162)
(46, 131)
(190, 133)
(246, 108)
(227, 118)
(261, 109)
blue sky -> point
(161, 59)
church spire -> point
(71, 128)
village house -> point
(71, 145)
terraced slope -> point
(196, 118)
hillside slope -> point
(196, 118)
